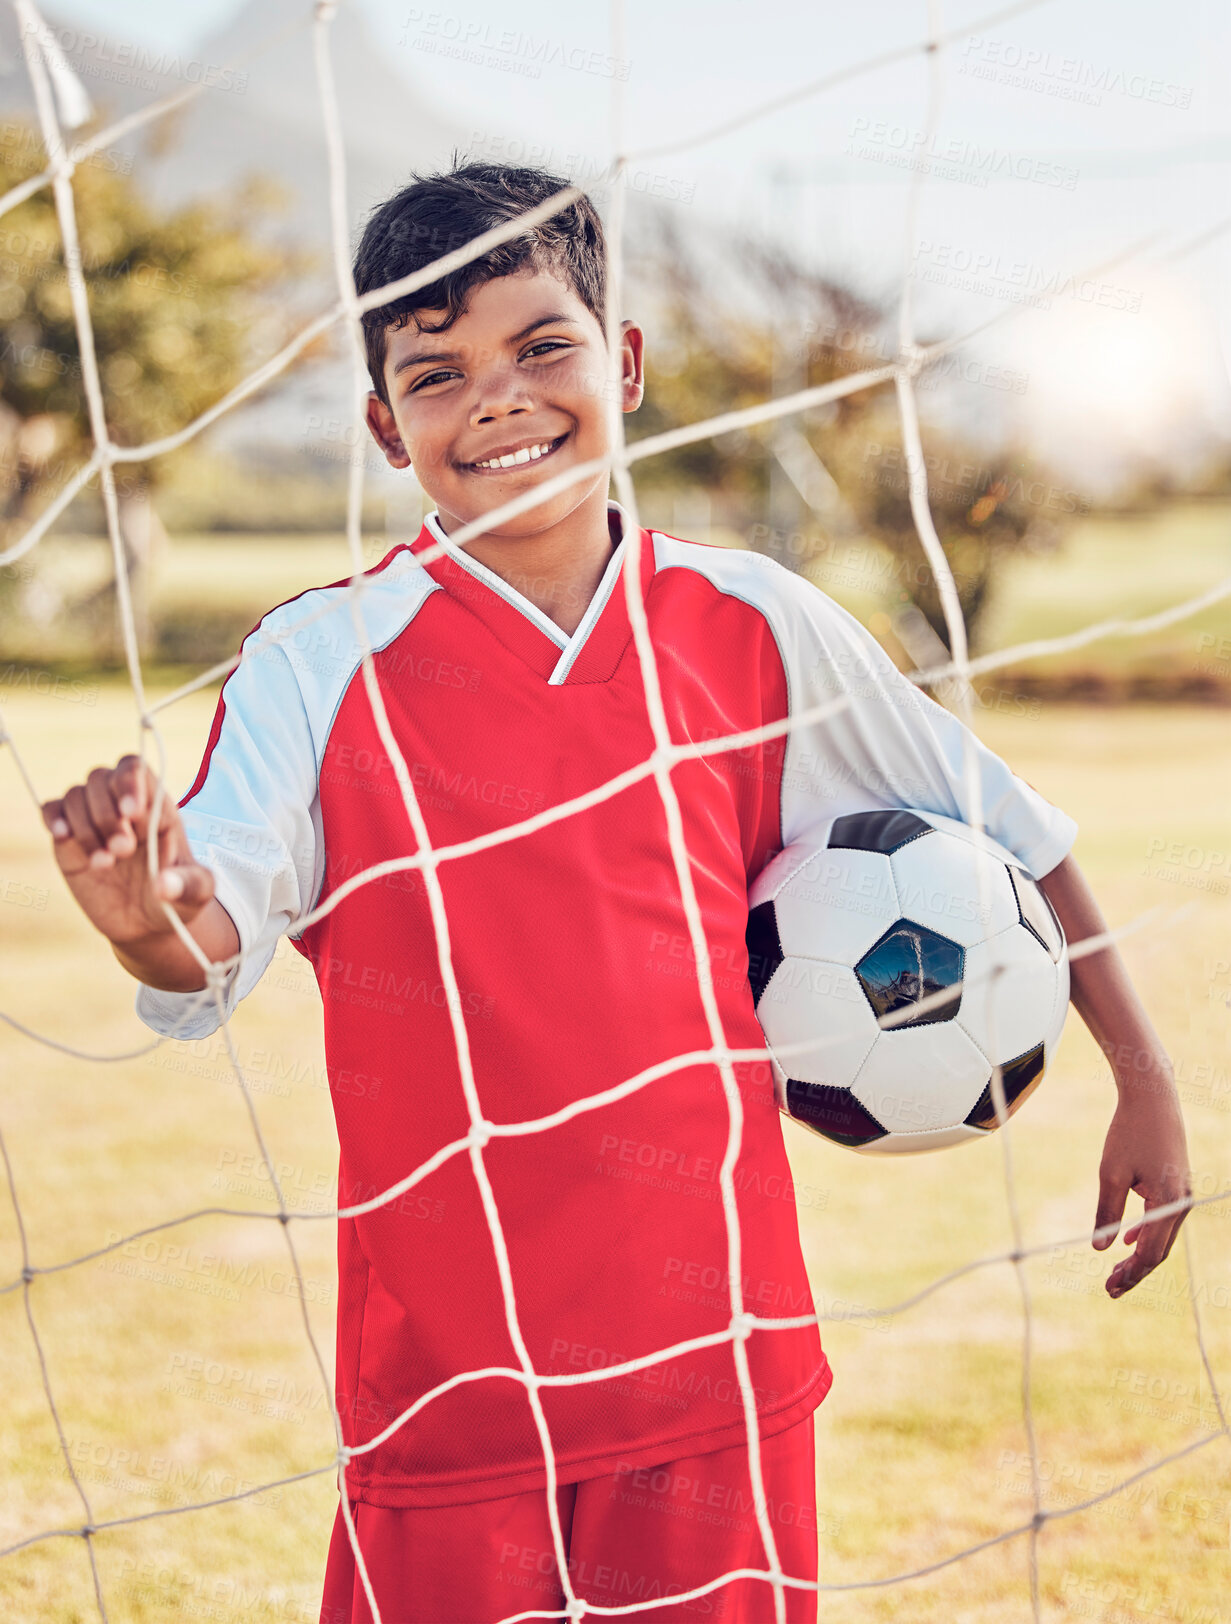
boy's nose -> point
(500, 395)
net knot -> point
(576, 1608)
(911, 359)
(742, 1327)
(480, 1133)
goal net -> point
(63, 107)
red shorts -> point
(638, 1534)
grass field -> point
(208, 590)
(180, 1364)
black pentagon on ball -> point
(1020, 1077)
(834, 1112)
(1037, 914)
(764, 947)
(876, 831)
(908, 964)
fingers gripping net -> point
(60, 104)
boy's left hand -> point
(1145, 1152)
(1145, 1149)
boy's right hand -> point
(101, 830)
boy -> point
(511, 685)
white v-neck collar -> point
(570, 647)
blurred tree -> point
(178, 301)
(838, 473)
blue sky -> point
(1065, 134)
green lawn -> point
(1123, 566)
(181, 1367)
(1131, 567)
(208, 590)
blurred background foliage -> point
(838, 473)
(179, 303)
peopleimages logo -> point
(1067, 78)
(951, 156)
(468, 39)
(1021, 281)
(124, 62)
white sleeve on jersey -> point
(253, 824)
(892, 745)
(255, 820)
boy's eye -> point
(431, 377)
(442, 375)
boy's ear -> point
(384, 431)
(632, 357)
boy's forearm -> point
(163, 962)
(1101, 990)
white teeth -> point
(526, 454)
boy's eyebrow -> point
(553, 318)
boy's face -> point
(522, 369)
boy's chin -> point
(522, 526)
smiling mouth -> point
(526, 457)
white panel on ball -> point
(895, 1144)
(1010, 994)
(954, 888)
(921, 1079)
(835, 906)
(822, 1008)
(971, 836)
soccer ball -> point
(885, 911)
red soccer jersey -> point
(572, 958)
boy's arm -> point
(890, 745)
(101, 833)
(1145, 1150)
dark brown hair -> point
(438, 213)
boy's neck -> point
(559, 569)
